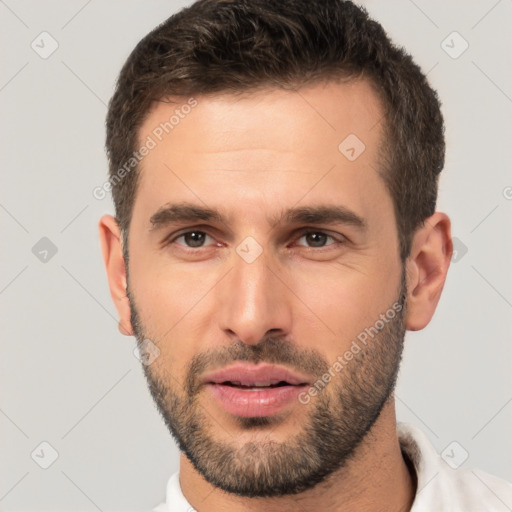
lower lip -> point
(254, 402)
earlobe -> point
(112, 250)
(426, 269)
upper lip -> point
(250, 374)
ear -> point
(112, 249)
(426, 267)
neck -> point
(376, 478)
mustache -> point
(271, 349)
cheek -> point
(344, 302)
(166, 290)
(171, 301)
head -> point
(274, 170)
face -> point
(264, 265)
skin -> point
(253, 156)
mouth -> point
(255, 390)
(255, 386)
(264, 375)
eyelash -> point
(337, 242)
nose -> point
(254, 301)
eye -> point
(317, 239)
(192, 239)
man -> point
(274, 170)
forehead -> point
(326, 109)
(269, 147)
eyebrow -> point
(183, 212)
(321, 214)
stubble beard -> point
(333, 423)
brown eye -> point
(192, 239)
(316, 239)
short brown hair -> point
(217, 46)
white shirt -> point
(440, 487)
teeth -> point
(262, 384)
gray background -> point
(69, 378)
